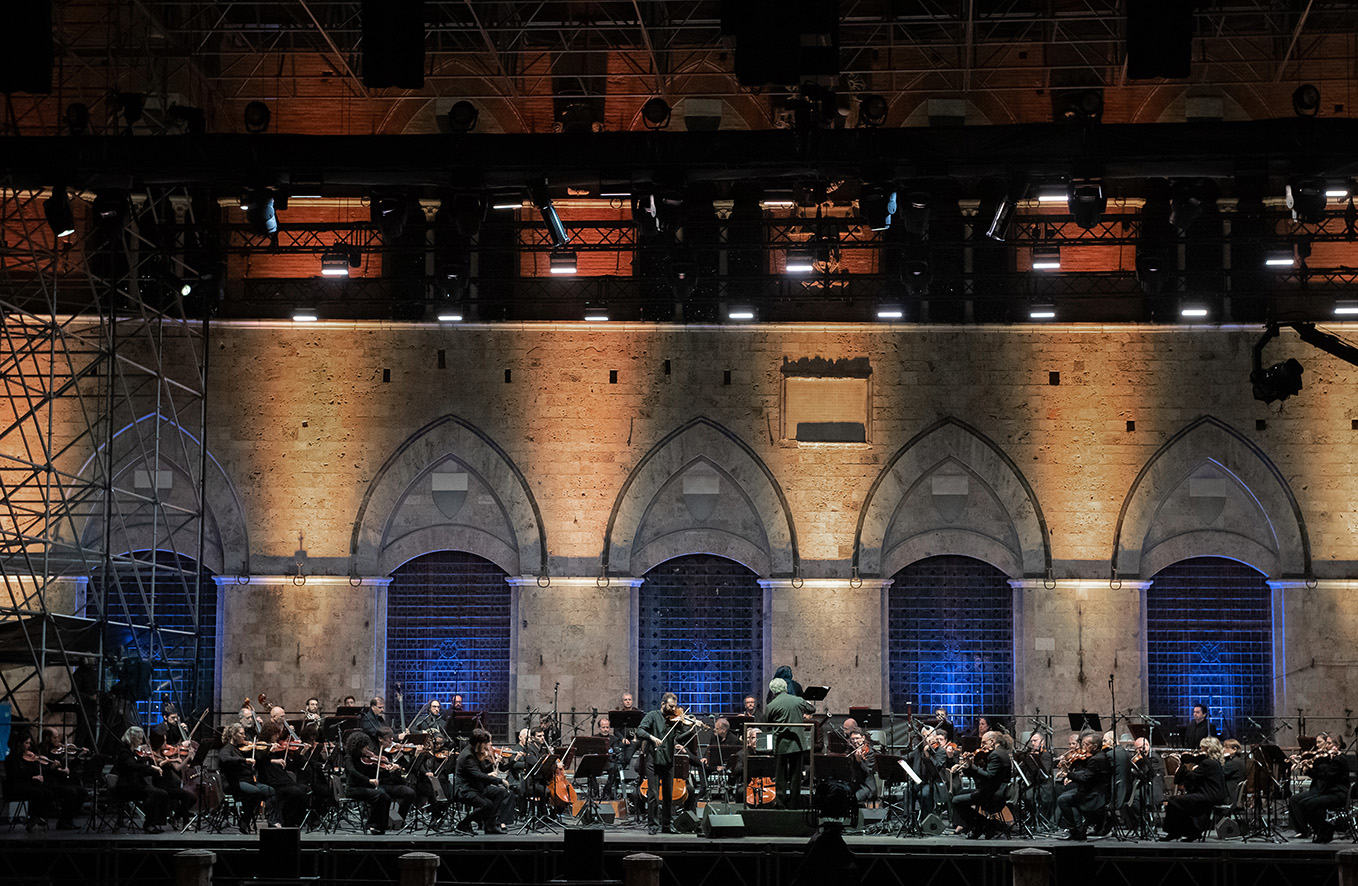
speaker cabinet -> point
(723, 825)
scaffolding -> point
(105, 537)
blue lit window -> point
(1209, 637)
(160, 661)
(702, 634)
(448, 634)
(950, 639)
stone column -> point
(831, 633)
(1032, 867)
(641, 869)
(1312, 621)
(292, 637)
(193, 867)
(418, 869)
(579, 632)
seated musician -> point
(1233, 766)
(479, 786)
(612, 768)
(239, 777)
(429, 719)
(429, 773)
(59, 777)
(1036, 762)
(1086, 776)
(864, 767)
(393, 777)
(311, 714)
(169, 727)
(717, 757)
(1121, 756)
(991, 768)
(1329, 790)
(750, 708)
(250, 721)
(24, 780)
(134, 767)
(272, 769)
(1148, 778)
(1187, 815)
(931, 761)
(372, 720)
(363, 782)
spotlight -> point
(132, 104)
(511, 198)
(257, 116)
(872, 111)
(1188, 198)
(1306, 198)
(259, 211)
(655, 114)
(915, 214)
(57, 208)
(800, 260)
(1000, 217)
(389, 212)
(563, 262)
(1083, 106)
(742, 313)
(463, 116)
(109, 208)
(1337, 192)
(890, 312)
(995, 210)
(1279, 257)
(1053, 194)
(304, 315)
(877, 203)
(1046, 258)
(1086, 201)
(542, 199)
(596, 313)
(777, 199)
(1345, 308)
(192, 120)
(1156, 253)
(1042, 312)
(338, 261)
(1277, 382)
(77, 118)
(1305, 100)
(1192, 310)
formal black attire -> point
(65, 787)
(290, 798)
(1188, 814)
(371, 722)
(491, 802)
(658, 763)
(240, 779)
(789, 744)
(1087, 793)
(1329, 790)
(1148, 783)
(1040, 789)
(1195, 732)
(359, 776)
(21, 783)
(930, 764)
(134, 776)
(864, 771)
(1234, 769)
(392, 782)
(991, 773)
(429, 778)
(426, 722)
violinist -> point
(429, 773)
(311, 713)
(1036, 762)
(1233, 767)
(290, 798)
(662, 730)
(864, 767)
(944, 724)
(169, 727)
(1188, 815)
(237, 761)
(393, 777)
(172, 757)
(24, 780)
(991, 768)
(1087, 773)
(429, 720)
(363, 780)
(1329, 790)
(59, 778)
(371, 721)
(1148, 777)
(788, 744)
(134, 768)
(479, 786)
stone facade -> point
(1078, 460)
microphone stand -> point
(1114, 801)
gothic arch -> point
(1209, 491)
(154, 443)
(997, 519)
(394, 524)
(650, 522)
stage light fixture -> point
(192, 120)
(257, 116)
(109, 208)
(1192, 310)
(1336, 192)
(877, 203)
(1345, 308)
(777, 199)
(1279, 257)
(304, 315)
(596, 313)
(655, 114)
(57, 208)
(1188, 199)
(506, 199)
(1277, 382)
(1046, 258)
(462, 116)
(872, 111)
(800, 260)
(1086, 201)
(336, 262)
(563, 262)
(1305, 100)
(890, 312)
(1306, 198)
(77, 117)
(1042, 312)
(1156, 250)
(542, 199)
(1000, 215)
(1053, 194)
(389, 212)
(449, 314)
(914, 212)
(740, 313)
(259, 211)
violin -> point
(35, 757)
(375, 759)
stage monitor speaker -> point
(1159, 38)
(582, 854)
(1228, 829)
(26, 63)
(393, 43)
(686, 822)
(280, 851)
(931, 825)
(716, 824)
(778, 822)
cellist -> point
(661, 730)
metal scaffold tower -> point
(107, 608)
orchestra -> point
(987, 783)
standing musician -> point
(58, 778)
(788, 744)
(864, 768)
(931, 762)
(363, 780)
(1188, 814)
(134, 769)
(662, 730)
(478, 785)
(371, 721)
(1199, 728)
(237, 765)
(1329, 789)
(991, 768)
(271, 768)
(1086, 774)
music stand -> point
(1142, 730)
(834, 767)
(758, 766)
(212, 743)
(894, 771)
(465, 722)
(867, 718)
(815, 693)
(625, 719)
(537, 803)
(590, 767)
(738, 722)
(1085, 721)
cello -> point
(560, 792)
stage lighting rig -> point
(542, 199)
(877, 203)
(1086, 201)
(1306, 198)
(655, 114)
(57, 209)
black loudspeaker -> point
(393, 43)
(720, 825)
(686, 822)
(1228, 829)
(26, 63)
(582, 854)
(778, 822)
(931, 825)
(1159, 38)
(280, 852)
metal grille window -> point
(702, 633)
(950, 639)
(153, 611)
(448, 634)
(1209, 635)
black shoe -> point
(1167, 838)
(245, 827)
(496, 829)
(1078, 835)
(153, 829)
(466, 826)
(1324, 836)
(377, 832)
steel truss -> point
(102, 471)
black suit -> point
(1087, 793)
(492, 804)
(1195, 732)
(1188, 814)
(371, 722)
(991, 773)
(1329, 790)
